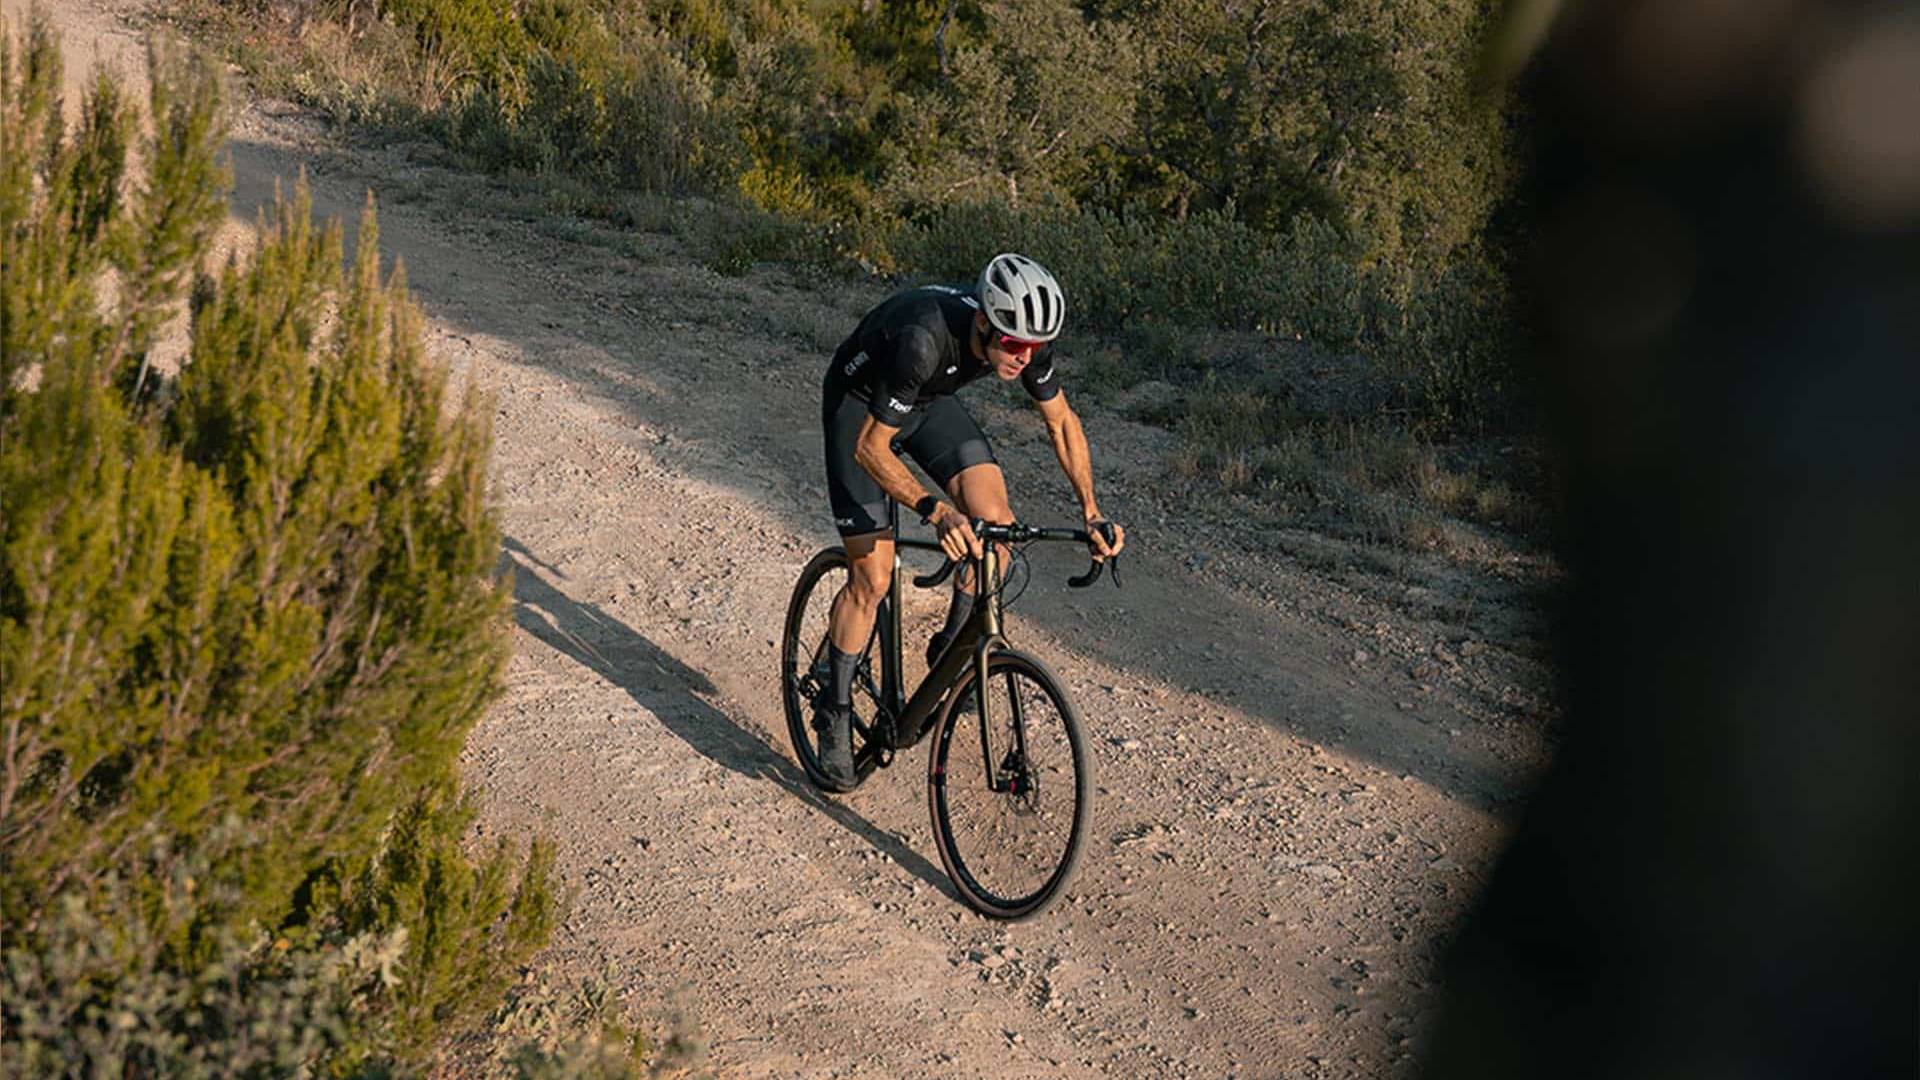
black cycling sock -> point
(843, 664)
(957, 614)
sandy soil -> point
(1300, 787)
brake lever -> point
(1108, 531)
(1099, 565)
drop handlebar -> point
(1019, 534)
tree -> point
(1358, 112)
(247, 610)
(1022, 109)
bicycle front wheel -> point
(1009, 795)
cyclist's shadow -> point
(675, 694)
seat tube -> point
(892, 620)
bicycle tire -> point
(802, 649)
(985, 836)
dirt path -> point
(1298, 791)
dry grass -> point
(1368, 478)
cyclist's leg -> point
(981, 491)
(953, 450)
(858, 604)
(860, 514)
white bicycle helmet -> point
(1021, 299)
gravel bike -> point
(1008, 774)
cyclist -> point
(891, 386)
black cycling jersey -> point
(917, 346)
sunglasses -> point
(1014, 344)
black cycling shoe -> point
(835, 746)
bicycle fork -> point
(1010, 774)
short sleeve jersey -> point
(914, 347)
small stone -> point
(1321, 871)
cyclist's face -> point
(1009, 356)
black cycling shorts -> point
(940, 435)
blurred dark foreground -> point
(1715, 880)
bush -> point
(636, 117)
(258, 590)
(94, 994)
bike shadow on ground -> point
(677, 696)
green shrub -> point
(96, 989)
(259, 589)
(1206, 270)
(637, 118)
(94, 994)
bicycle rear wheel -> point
(805, 673)
(1009, 798)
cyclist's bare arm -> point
(874, 453)
(1076, 460)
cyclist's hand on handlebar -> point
(1103, 548)
(956, 534)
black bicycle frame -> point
(977, 637)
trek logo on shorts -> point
(898, 405)
(845, 523)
